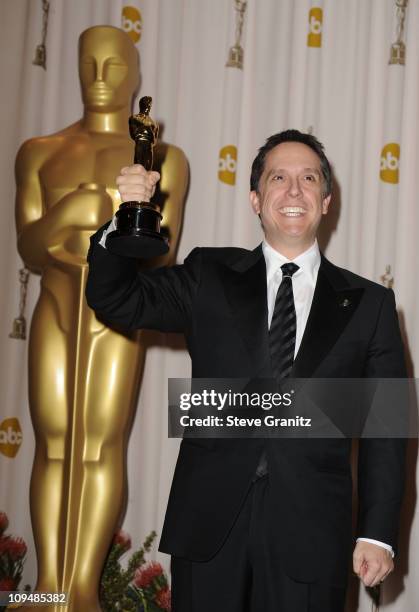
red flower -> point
(4, 522)
(4, 544)
(122, 539)
(7, 584)
(163, 599)
(143, 577)
(16, 548)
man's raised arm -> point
(122, 295)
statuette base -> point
(138, 232)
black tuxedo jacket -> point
(218, 300)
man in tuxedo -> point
(256, 524)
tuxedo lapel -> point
(334, 303)
(245, 288)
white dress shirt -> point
(111, 228)
(303, 285)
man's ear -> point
(255, 202)
(326, 204)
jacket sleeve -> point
(159, 299)
(381, 461)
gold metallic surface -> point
(398, 53)
(143, 128)
(387, 278)
(236, 53)
(19, 323)
(144, 132)
(398, 48)
(83, 376)
(40, 58)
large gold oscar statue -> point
(83, 376)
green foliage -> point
(117, 590)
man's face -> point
(290, 198)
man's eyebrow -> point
(278, 170)
(314, 170)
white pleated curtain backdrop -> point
(312, 65)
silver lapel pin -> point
(345, 303)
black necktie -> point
(283, 325)
(281, 338)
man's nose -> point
(294, 188)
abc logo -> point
(132, 22)
(10, 437)
(315, 20)
(389, 165)
(227, 164)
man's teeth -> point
(292, 211)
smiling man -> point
(258, 524)
(291, 194)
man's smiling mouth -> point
(292, 211)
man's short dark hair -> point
(291, 136)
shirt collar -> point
(308, 262)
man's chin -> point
(295, 238)
(292, 231)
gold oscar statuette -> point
(84, 376)
(137, 231)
